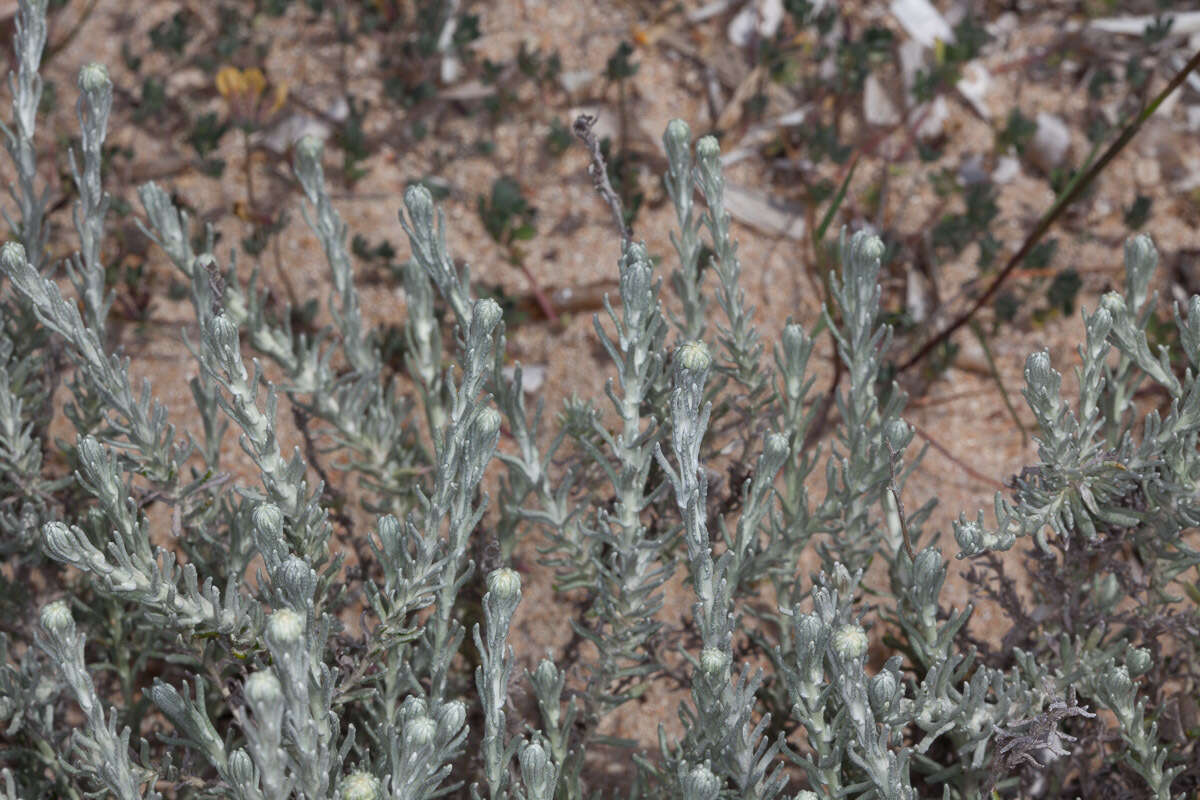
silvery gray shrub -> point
(836, 685)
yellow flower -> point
(244, 91)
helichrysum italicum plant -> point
(233, 651)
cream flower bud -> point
(420, 730)
(12, 255)
(488, 422)
(57, 619)
(504, 583)
(546, 672)
(488, 312)
(1119, 685)
(850, 642)
(59, 541)
(93, 77)
(713, 661)
(419, 203)
(794, 337)
(881, 690)
(1113, 303)
(897, 434)
(870, 247)
(537, 772)
(708, 148)
(699, 783)
(262, 688)
(694, 356)
(269, 519)
(285, 628)
(360, 785)
(1141, 249)
(776, 446)
(1138, 661)
(241, 767)
(310, 147)
(678, 136)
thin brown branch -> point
(894, 488)
(333, 496)
(977, 475)
(598, 169)
(1048, 219)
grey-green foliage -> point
(261, 691)
(24, 357)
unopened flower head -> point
(1119, 684)
(776, 445)
(504, 583)
(263, 688)
(1113, 303)
(534, 755)
(713, 661)
(488, 422)
(694, 356)
(296, 569)
(536, 769)
(59, 541)
(488, 312)
(1139, 661)
(1141, 248)
(360, 785)
(870, 247)
(808, 628)
(310, 147)
(850, 642)
(93, 77)
(699, 783)
(285, 627)
(420, 730)
(794, 336)
(57, 619)
(546, 672)
(897, 434)
(241, 766)
(882, 689)
(12, 255)
(268, 518)
(707, 149)
(1037, 367)
(419, 203)
(678, 136)
(450, 719)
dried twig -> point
(599, 172)
(1073, 191)
(958, 462)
